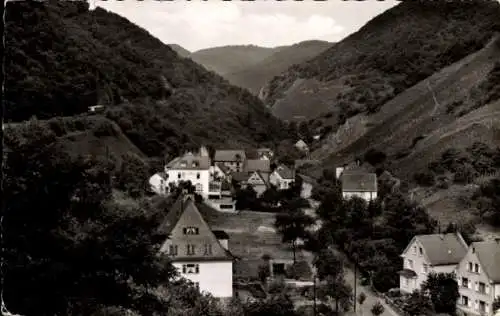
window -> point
(178, 175)
(197, 285)
(465, 300)
(197, 175)
(476, 268)
(190, 250)
(190, 268)
(190, 231)
(410, 263)
(482, 306)
(199, 188)
(172, 250)
(470, 266)
(420, 251)
(407, 282)
(208, 249)
(425, 268)
(482, 288)
(465, 282)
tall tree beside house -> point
(496, 304)
(72, 248)
(443, 291)
(292, 223)
(330, 268)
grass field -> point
(251, 235)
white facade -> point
(367, 196)
(416, 260)
(199, 178)
(158, 184)
(280, 183)
(214, 277)
(306, 191)
(477, 292)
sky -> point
(199, 24)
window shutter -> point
(469, 304)
(183, 268)
(476, 305)
(487, 289)
(469, 284)
(197, 268)
(476, 286)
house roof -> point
(229, 155)
(220, 234)
(300, 143)
(190, 162)
(359, 182)
(263, 150)
(240, 176)
(185, 210)
(488, 253)
(284, 172)
(258, 165)
(300, 162)
(443, 249)
(223, 168)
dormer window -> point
(183, 164)
(197, 175)
(190, 230)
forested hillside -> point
(62, 58)
(392, 52)
(255, 76)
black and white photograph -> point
(250, 158)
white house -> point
(190, 167)
(302, 146)
(199, 254)
(430, 253)
(282, 177)
(478, 276)
(360, 184)
(158, 183)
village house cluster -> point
(476, 267)
(203, 255)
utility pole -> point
(355, 270)
(314, 292)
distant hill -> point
(392, 52)
(254, 77)
(161, 102)
(180, 50)
(229, 59)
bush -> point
(425, 179)
(374, 157)
(464, 175)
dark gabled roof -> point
(359, 182)
(229, 155)
(224, 168)
(443, 249)
(262, 165)
(172, 217)
(185, 204)
(240, 176)
(488, 253)
(285, 172)
(190, 162)
(220, 234)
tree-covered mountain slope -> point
(61, 58)
(391, 53)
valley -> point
(274, 169)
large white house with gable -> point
(190, 167)
(199, 254)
